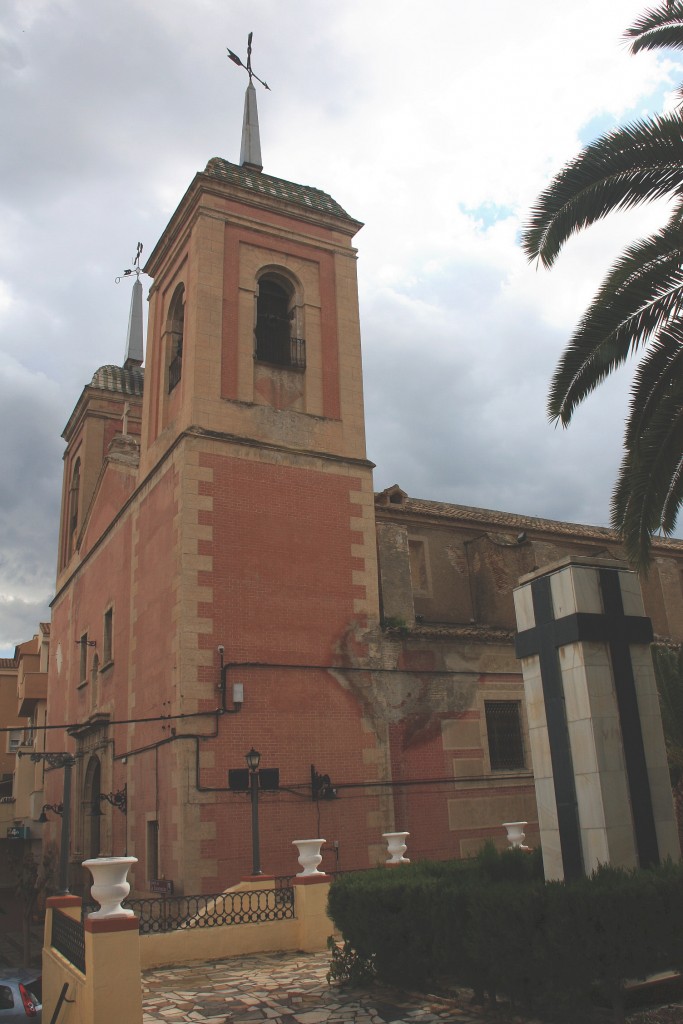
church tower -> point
(240, 549)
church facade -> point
(228, 580)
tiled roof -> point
(509, 520)
(115, 378)
(267, 185)
(9, 663)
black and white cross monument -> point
(595, 730)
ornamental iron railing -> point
(281, 351)
(178, 913)
(68, 939)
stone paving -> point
(285, 988)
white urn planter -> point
(396, 847)
(110, 886)
(515, 831)
(309, 856)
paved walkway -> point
(286, 988)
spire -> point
(134, 348)
(250, 153)
(134, 351)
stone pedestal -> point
(310, 902)
(597, 746)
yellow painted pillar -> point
(310, 908)
(113, 990)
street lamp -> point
(65, 761)
(55, 808)
(253, 759)
(119, 799)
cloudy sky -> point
(435, 124)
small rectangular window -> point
(15, 740)
(504, 729)
(107, 652)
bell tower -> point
(240, 547)
(253, 323)
(254, 328)
(253, 418)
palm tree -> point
(639, 304)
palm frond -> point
(627, 166)
(640, 296)
(638, 305)
(648, 492)
(658, 28)
(656, 377)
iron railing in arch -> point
(175, 370)
(68, 939)
(281, 350)
(179, 913)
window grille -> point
(504, 729)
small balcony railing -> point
(278, 351)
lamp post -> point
(253, 759)
(65, 761)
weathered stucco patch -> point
(392, 696)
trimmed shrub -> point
(613, 926)
(495, 926)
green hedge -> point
(493, 925)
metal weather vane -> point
(247, 67)
(135, 269)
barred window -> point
(504, 729)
